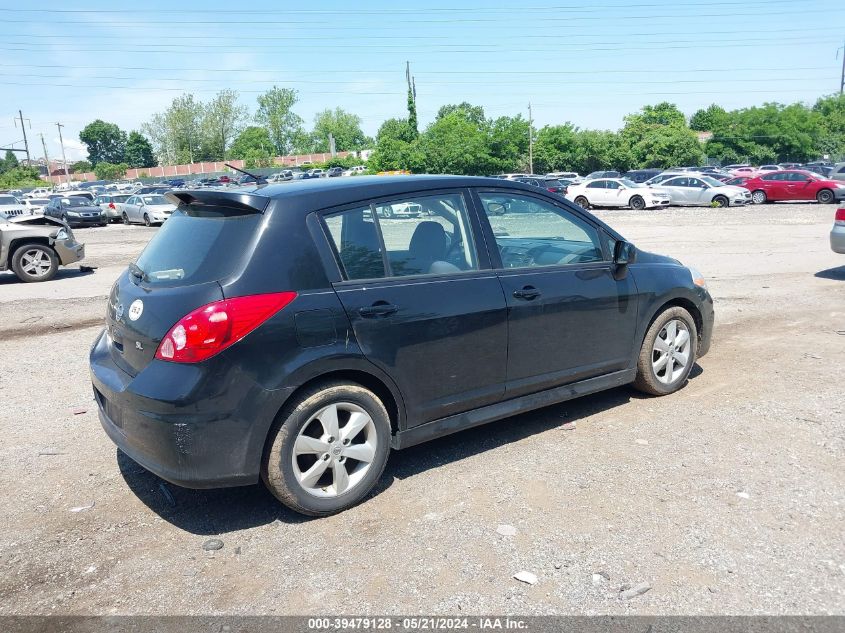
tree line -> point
(463, 140)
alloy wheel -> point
(671, 351)
(334, 450)
(36, 263)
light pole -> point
(62, 143)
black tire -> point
(582, 202)
(759, 197)
(125, 218)
(721, 201)
(647, 380)
(18, 264)
(147, 220)
(825, 196)
(277, 470)
(637, 203)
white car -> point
(148, 209)
(36, 205)
(11, 207)
(39, 192)
(616, 192)
(571, 176)
(704, 191)
(357, 170)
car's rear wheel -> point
(147, 220)
(825, 196)
(582, 202)
(668, 353)
(35, 262)
(328, 449)
(758, 197)
(125, 218)
(637, 203)
(721, 201)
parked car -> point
(399, 210)
(549, 184)
(282, 176)
(571, 176)
(795, 185)
(35, 206)
(602, 174)
(224, 179)
(768, 168)
(10, 206)
(334, 172)
(176, 182)
(147, 209)
(789, 165)
(821, 170)
(744, 171)
(355, 170)
(314, 173)
(666, 175)
(288, 335)
(34, 247)
(39, 192)
(159, 189)
(642, 175)
(837, 233)
(616, 192)
(112, 205)
(75, 211)
(837, 172)
(700, 190)
(246, 179)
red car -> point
(739, 181)
(794, 184)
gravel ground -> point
(725, 498)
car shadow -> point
(837, 274)
(8, 277)
(219, 511)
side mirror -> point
(624, 253)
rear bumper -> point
(185, 423)
(92, 221)
(837, 239)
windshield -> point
(630, 183)
(8, 200)
(197, 246)
(77, 201)
(38, 201)
(155, 200)
(712, 181)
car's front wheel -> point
(637, 203)
(721, 201)
(147, 220)
(329, 449)
(825, 196)
(668, 353)
(35, 262)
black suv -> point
(294, 333)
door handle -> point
(528, 293)
(377, 310)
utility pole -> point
(530, 141)
(62, 143)
(842, 79)
(46, 159)
(25, 142)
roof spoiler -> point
(243, 202)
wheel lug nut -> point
(325, 457)
(345, 442)
(331, 439)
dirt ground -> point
(726, 498)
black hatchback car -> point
(292, 333)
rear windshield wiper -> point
(137, 272)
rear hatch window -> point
(197, 245)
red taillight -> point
(840, 215)
(212, 328)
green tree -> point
(20, 177)
(8, 163)
(831, 113)
(508, 139)
(708, 119)
(396, 148)
(275, 112)
(176, 133)
(110, 171)
(139, 152)
(80, 167)
(557, 148)
(257, 158)
(251, 139)
(472, 113)
(106, 142)
(222, 121)
(343, 126)
(658, 136)
(398, 129)
(456, 144)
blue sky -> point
(587, 63)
